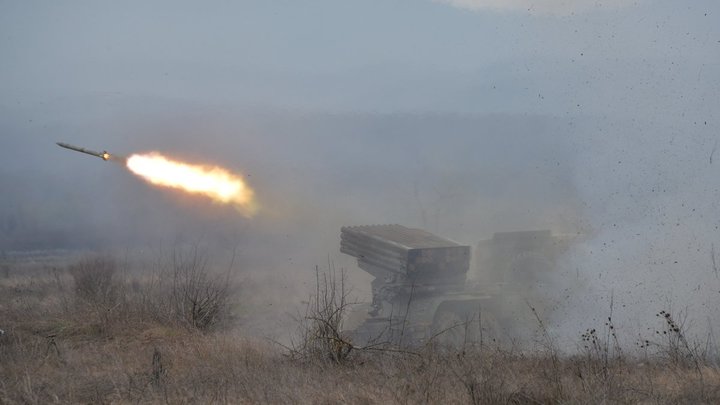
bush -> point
(182, 290)
(322, 323)
(199, 298)
(95, 280)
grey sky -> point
(370, 55)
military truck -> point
(423, 289)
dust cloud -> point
(602, 125)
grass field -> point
(93, 332)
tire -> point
(459, 323)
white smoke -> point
(551, 7)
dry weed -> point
(52, 353)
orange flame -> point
(211, 181)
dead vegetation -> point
(320, 334)
(96, 332)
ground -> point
(72, 336)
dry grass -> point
(61, 347)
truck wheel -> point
(457, 323)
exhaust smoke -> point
(214, 182)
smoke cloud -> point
(603, 125)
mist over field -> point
(463, 118)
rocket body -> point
(102, 155)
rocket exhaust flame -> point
(211, 181)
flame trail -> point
(211, 181)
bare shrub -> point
(322, 324)
(95, 280)
(550, 349)
(674, 344)
(600, 360)
(182, 289)
(198, 297)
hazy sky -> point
(464, 117)
(555, 56)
